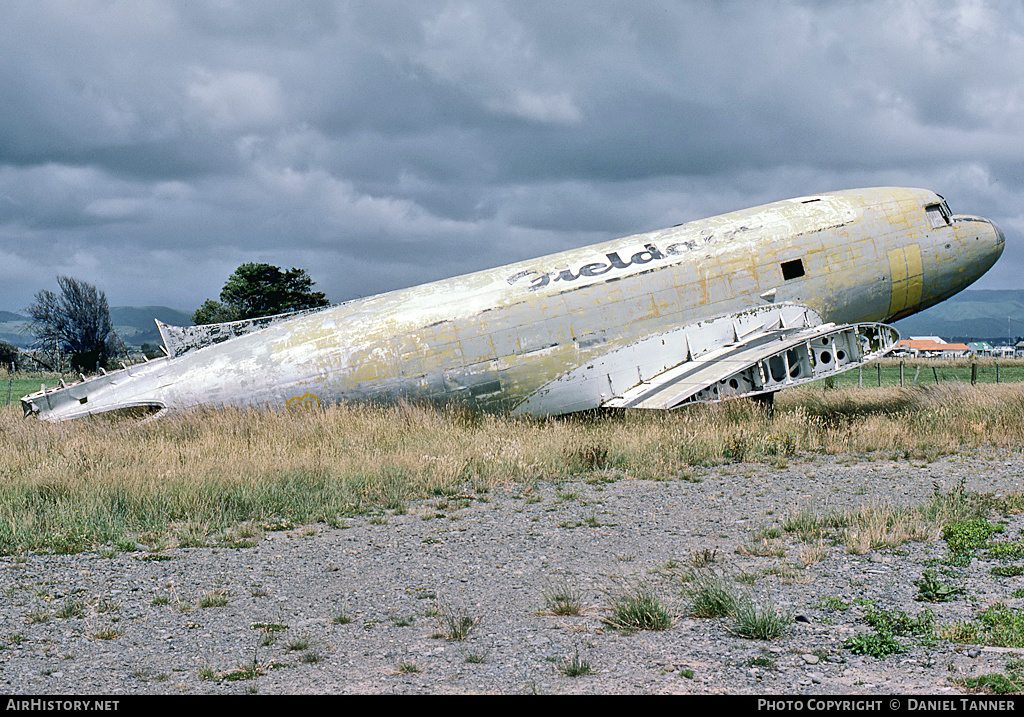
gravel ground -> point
(134, 622)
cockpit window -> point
(938, 215)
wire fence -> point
(906, 372)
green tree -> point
(74, 324)
(256, 290)
(8, 355)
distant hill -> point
(134, 324)
(14, 329)
(985, 315)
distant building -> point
(980, 348)
(931, 347)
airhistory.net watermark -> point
(52, 705)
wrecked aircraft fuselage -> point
(739, 304)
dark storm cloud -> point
(152, 147)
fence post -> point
(879, 374)
(860, 377)
(901, 373)
(936, 375)
(974, 373)
(997, 373)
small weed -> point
(711, 596)
(897, 622)
(931, 589)
(407, 668)
(575, 666)
(563, 598)
(107, 633)
(310, 657)
(759, 621)
(638, 609)
(1007, 571)
(964, 537)
(244, 672)
(455, 624)
(876, 645)
(297, 645)
(995, 683)
(38, 616)
(217, 598)
(998, 626)
(703, 558)
(1005, 551)
(476, 658)
(74, 608)
(888, 625)
(107, 605)
(834, 603)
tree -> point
(8, 355)
(74, 324)
(256, 290)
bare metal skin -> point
(740, 304)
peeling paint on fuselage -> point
(494, 338)
(518, 326)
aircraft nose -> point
(985, 234)
(998, 241)
(1000, 237)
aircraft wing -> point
(757, 350)
(762, 362)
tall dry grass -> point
(72, 486)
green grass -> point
(997, 626)
(220, 478)
(575, 666)
(637, 608)
(711, 595)
(455, 623)
(1010, 682)
(21, 384)
(563, 598)
(888, 625)
(931, 589)
(759, 620)
(217, 598)
(876, 645)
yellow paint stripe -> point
(907, 272)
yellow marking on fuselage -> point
(307, 400)
(907, 277)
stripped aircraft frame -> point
(742, 304)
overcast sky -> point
(152, 146)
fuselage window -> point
(938, 215)
(792, 269)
